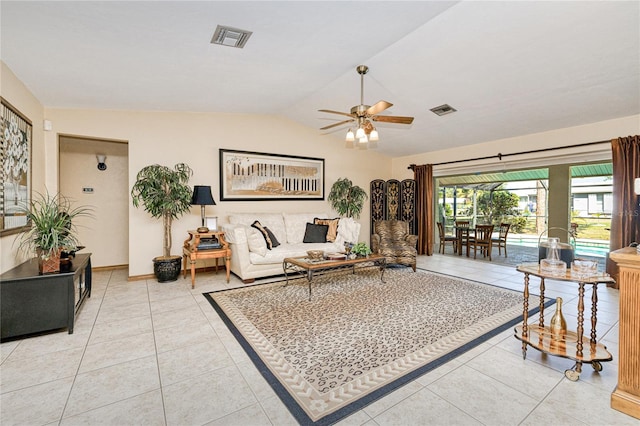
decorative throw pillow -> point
(256, 242)
(333, 227)
(269, 238)
(315, 233)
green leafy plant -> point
(164, 193)
(361, 249)
(346, 198)
(53, 228)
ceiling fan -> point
(363, 115)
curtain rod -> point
(499, 155)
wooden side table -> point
(192, 252)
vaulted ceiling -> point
(508, 67)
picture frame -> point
(211, 222)
(16, 132)
(257, 176)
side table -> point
(198, 246)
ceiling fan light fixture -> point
(360, 133)
(363, 139)
(373, 136)
(350, 136)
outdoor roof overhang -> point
(490, 181)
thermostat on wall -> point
(87, 190)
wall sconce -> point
(102, 166)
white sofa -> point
(249, 257)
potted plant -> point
(164, 193)
(361, 249)
(52, 229)
(346, 198)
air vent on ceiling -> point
(232, 37)
(443, 109)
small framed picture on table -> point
(211, 222)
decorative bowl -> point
(315, 254)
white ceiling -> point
(508, 67)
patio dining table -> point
(463, 233)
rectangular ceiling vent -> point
(232, 37)
(443, 110)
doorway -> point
(104, 187)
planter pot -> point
(167, 269)
(49, 265)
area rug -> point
(359, 338)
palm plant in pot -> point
(346, 198)
(165, 195)
(52, 229)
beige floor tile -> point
(35, 405)
(509, 368)
(107, 385)
(114, 330)
(425, 407)
(356, 419)
(6, 348)
(192, 361)
(208, 397)
(179, 336)
(278, 412)
(253, 415)
(105, 354)
(120, 312)
(257, 383)
(51, 342)
(18, 373)
(144, 409)
(481, 395)
(388, 401)
(185, 301)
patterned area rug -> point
(359, 338)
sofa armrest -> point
(412, 240)
(234, 234)
(375, 243)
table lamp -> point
(202, 196)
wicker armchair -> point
(392, 240)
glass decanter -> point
(552, 264)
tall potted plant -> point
(164, 193)
(53, 229)
(346, 198)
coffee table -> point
(304, 266)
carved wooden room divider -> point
(393, 199)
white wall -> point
(195, 138)
(18, 95)
(108, 242)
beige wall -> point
(109, 196)
(14, 92)
(194, 138)
(601, 131)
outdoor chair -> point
(501, 241)
(391, 239)
(444, 238)
(462, 235)
(482, 240)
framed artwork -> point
(211, 222)
(15, 158)
(256, 176)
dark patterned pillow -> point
(315, 233)
(271, 240)
(332, 233)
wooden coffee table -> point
(306, 267)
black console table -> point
(33, 303)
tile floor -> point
(145, 353)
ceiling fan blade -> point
(379, 107)
(393, 119)
(335, 112)
(336, 124)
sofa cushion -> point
(277, 255)
(348, 231)
(315, 233)
(332, 233)
(269, 237)
(296, 223)
(273, 221)
(256, 241)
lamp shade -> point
(202, 196)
